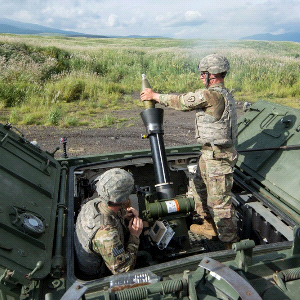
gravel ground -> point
(178, 130)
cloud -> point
(65, 12)
(183, 19)
(23, 15)
(259, 17)
(189, 18)
(113, 21)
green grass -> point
(71, 81)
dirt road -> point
(178, 130)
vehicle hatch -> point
(28, 200)
(270, 127)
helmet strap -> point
(206, 79)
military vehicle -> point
(40, 198)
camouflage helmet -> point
(115, 185)
(214, 64)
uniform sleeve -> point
(108, 244)
(187, 101)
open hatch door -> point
(29, 180)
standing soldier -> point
(216, 130)
(101, 230)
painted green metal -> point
(168, 208)
(29, 193)
(40, 198)
(267, 125)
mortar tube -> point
(153, 120)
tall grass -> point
(68, 81)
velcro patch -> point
(118, 250)
(191, 99)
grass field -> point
(68, 81)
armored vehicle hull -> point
(41, 197)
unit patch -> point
(191, 99)
(118, 250)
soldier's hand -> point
(148, 94)
(127, 204)
(135, 226)
(131, 213)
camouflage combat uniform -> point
(212, 189)
(100, 240)
(109, 242)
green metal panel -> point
(29, 180)
(267, 125)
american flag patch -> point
(118, 250)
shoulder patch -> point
(118, 250)
(191, 99)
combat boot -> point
(206, 229)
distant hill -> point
(289, 37)
(15, 27)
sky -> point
(215, 19)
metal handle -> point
(239, 284)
